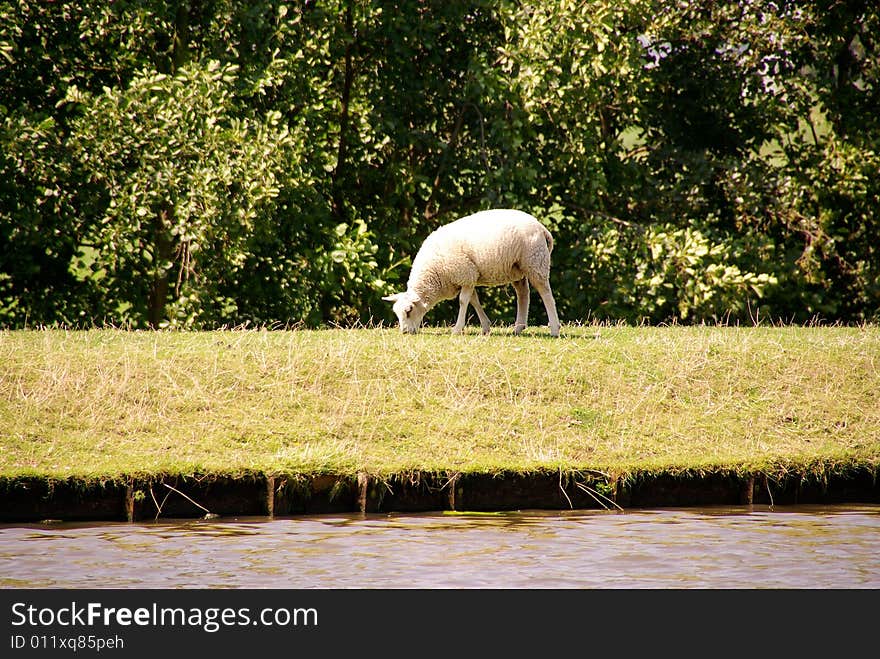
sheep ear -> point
(392, 298)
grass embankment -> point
(110, 404)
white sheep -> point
(489, 248)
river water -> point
(723, 547)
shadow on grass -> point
(536, 332)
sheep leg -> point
(485, 324)
(522, 304)
(468, 295)
(543, 288)
(464, 298)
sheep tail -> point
(548, 237)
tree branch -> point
(344, 117)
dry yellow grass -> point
(107, 403)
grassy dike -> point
(111, 424)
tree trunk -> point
(163, 252)
(345, 101)
(180, 51)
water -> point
(741, 547)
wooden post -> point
(363, 489)
(270, 496)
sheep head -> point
(409, 309)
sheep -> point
(488, 248)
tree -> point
(209, 164)
(183, 180)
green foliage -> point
(184, 180)
(214, 164)
(687, 275)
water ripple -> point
(755, 547)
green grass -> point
(109, 403)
